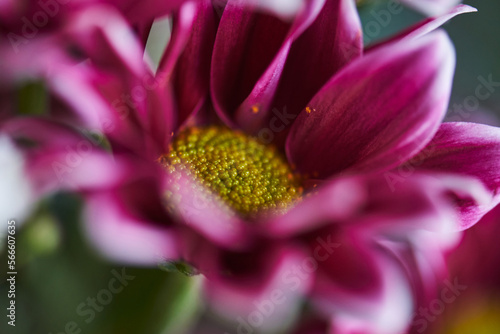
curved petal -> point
(186, 63)
(359, 284)
(378, 111)
(40, 135)
(387, 313)
(426, 26)
(345, 263)
(247, 66)
(125, 238)
(265, 279)
(333, 202)
(200, 210)
(328, 44)
(16, 194)
(401, 203)
(472, 150)
(389, 203)
(243, 50)
(478, 250)
(58, 157)
(69, 83)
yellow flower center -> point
(250, 177)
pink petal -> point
(186, 64)
(125, 238)
(359, 284)
(200, 210)
(390, 203)
(335, 201)
(58, 157)
(128, 222)
(344, 262)
(244, 283)
(142, 115)
(247, 62)
(471, 150)
(329, 43)
(243, 51)
(478, 251)
(387, 313)
(378, 111)
(69, 83)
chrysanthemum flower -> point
(279, 159)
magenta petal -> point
(125, 238)
(204, 212)
(345, 262)
(186, 63)
(387, 312)
(243, 51)
(378, 111)
(426, 26)
(359, 283)
(253, 113)
(333, 40)
(244, 283)
(389, 203)
(141, 115)
(102, 33)
(143, 30)
(39, 134)
(128, 221)
(75, 170)
(138, 12)
(69, 82)
(334, 202)
(471, 150)
(482, 266)
(58, 157)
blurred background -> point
(63, 285)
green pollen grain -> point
(250, 177)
